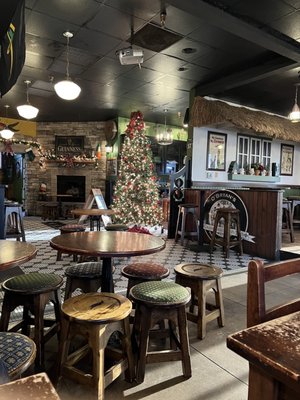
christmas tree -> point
(136, 197)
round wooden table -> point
(107, 245)
(13, 253)
(92, 212)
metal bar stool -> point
(184, 211)
(200, 278)
(224, 236)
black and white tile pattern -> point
(39, 235)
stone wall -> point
(95, 173)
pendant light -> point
(67, 89)
(165, 138)
(7, 133)
(27, 111)
(294, 115)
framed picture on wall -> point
(286, 159)
(69, 145)
(216, 151)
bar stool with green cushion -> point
(143, 271)
(157, 301)
(86, 276)
(116, 227)
(32, 291)
(200, 278)
(17, 353)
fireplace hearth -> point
(73, 186)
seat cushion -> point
(17, 352)
(145, 270)
(116, 227)
(160, 293)
(72, 228)
(33, 283)
(85, 270)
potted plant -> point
(258, 168)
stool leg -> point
(143, 345)
(219, 302)
(127, 349)
(39, 304)
(183, 336)
(213, 236)
(68, 289)
(58, 257)
(64, 345)
(177, 224)
(5, 314)
(201, 310)
(239, 236)
(184, 215)
(97, 344)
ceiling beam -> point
(277, 42)
(246, 76)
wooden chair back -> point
(258, 275)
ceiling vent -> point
(154, 38)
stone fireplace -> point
(82, 176)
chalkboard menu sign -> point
(69, 145)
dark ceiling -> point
(242, 51)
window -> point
(251, 150)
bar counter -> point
(261, 211)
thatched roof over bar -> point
(221, 114)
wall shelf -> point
(253, 178)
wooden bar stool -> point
(231, 220)
(95, 316)
(86, 276)
(69, 228)
(200, 279)
(17, 353)
(13, 225)
(287, 217)
(155, 302)
(184, 211)
(32, 291)
(295, 202)
(50, 210)
(143, 272)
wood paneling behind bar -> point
(264, 208)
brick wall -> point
(93, 133)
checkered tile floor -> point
(39, 234)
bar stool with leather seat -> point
(32, 291)
(157, 301)
(287, 217)
(231, 217)
(70, 228)
(17, 353)
(86, 276)
(200, 278)
(13, 224)
(184, 211)
(95, 316)
(143, 272)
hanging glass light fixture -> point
(27, 111)
(165, 138)
(294, 115)
(7, 133)
(67, 89)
